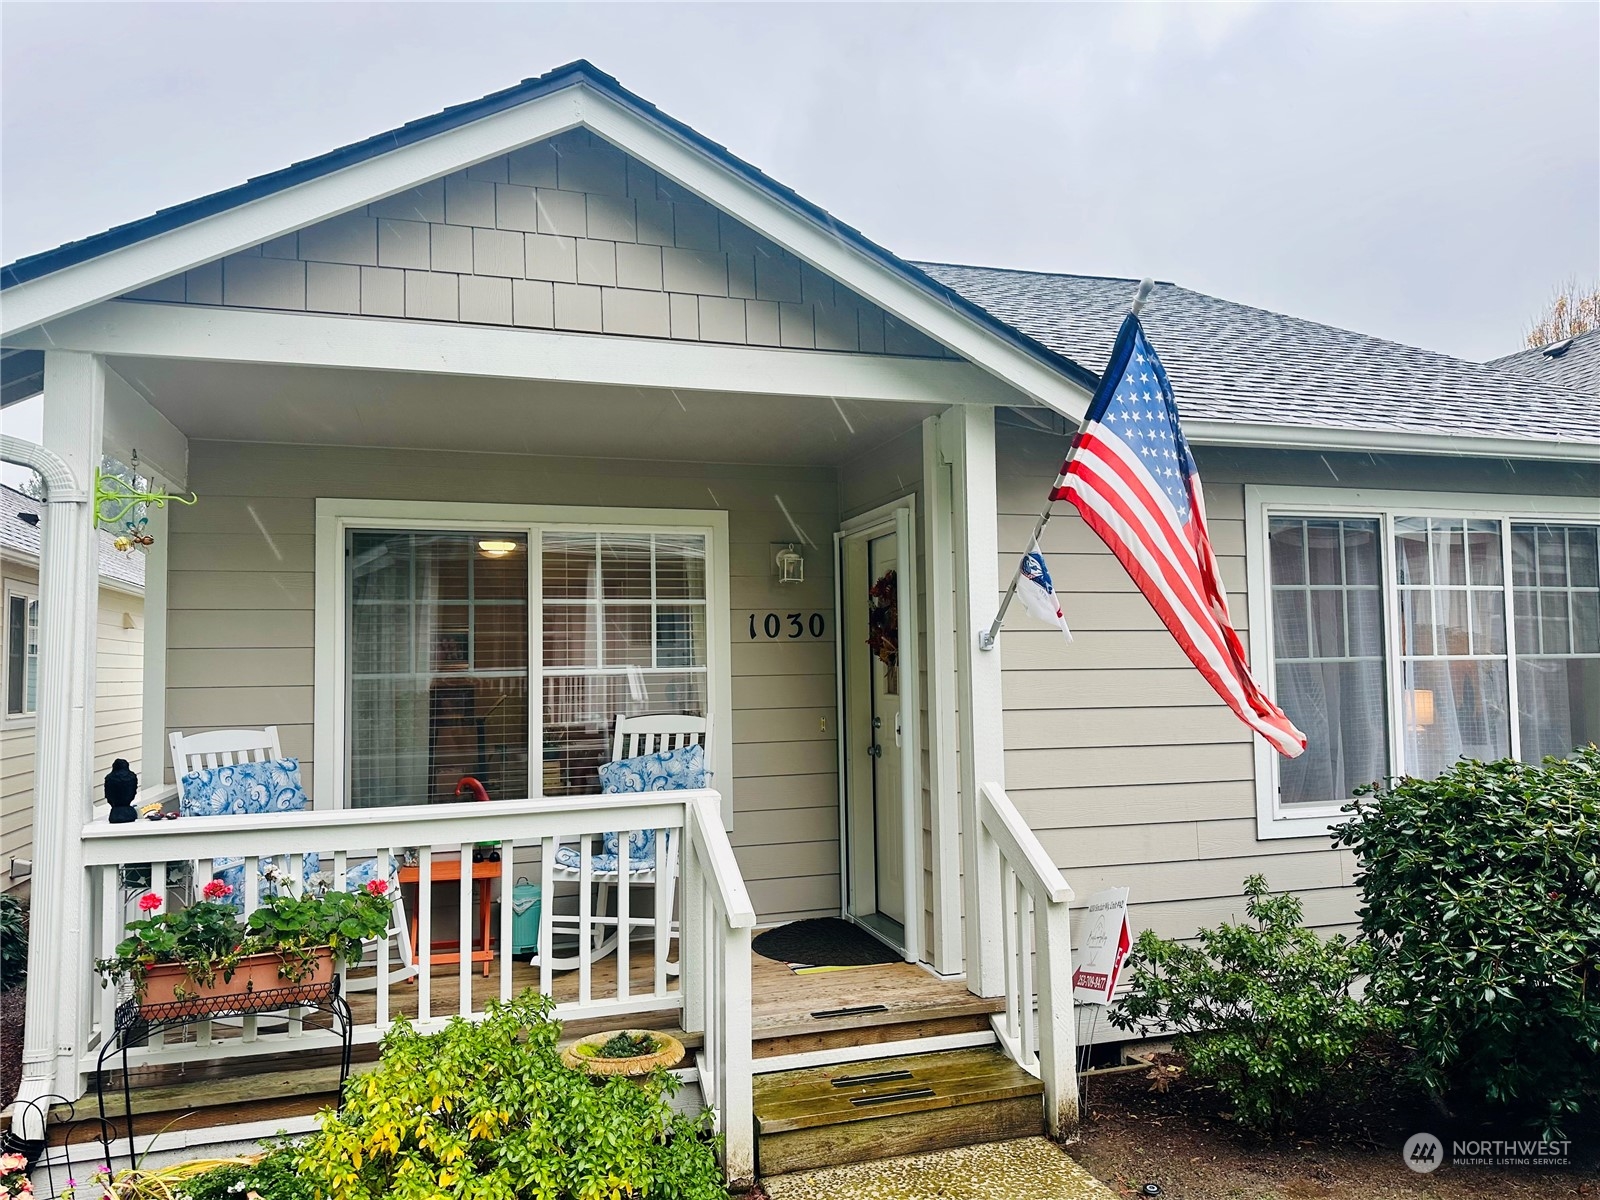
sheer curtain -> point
(1555, 574)
(437, 661)
(1328, 654)
(1455, 699)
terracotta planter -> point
(256, 974)
(584, 1054)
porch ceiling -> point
(330, 407)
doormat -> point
(822, 942)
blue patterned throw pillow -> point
(665, 771)
(251, 787)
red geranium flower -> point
(149, 902)
(217, 890)
(377, 887)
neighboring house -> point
(513, 419)
(119, 657)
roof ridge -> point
(928, 262)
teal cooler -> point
(525, 905)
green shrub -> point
(274, 1177)
(13, 942)
(487, 1110)
(1264, 1009)
(1481, 899)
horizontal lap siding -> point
(1118, 754)
(119, 671)
(241, 584)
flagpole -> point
(987, 639)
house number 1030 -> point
(787, 627)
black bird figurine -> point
(121, 787)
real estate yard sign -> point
(1103, 947)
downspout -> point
(56, 819)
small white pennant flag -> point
(1038, 594)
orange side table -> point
(448, 870)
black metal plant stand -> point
(140, 1021)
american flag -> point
(1131, 476)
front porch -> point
(266, 600)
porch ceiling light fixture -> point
(492, 548)
(788, 565)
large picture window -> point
(1389, 642)
(501, 642)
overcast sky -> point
(1425, 173)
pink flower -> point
(216, 890)
(377, 887)
(149, 902)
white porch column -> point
(967, 443)
(943, 776)
(58, 949)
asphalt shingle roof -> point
(1574, 362)
(23, 537)
(1232, 362)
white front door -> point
(877, 595)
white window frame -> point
(1263, 502)
(335, 517)
(27, 591)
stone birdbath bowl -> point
(608, 1053)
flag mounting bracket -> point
(991, 635)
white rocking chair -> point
(632, 737)
(227, 747)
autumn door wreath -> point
(883, 629)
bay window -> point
(502, 641)
(1406, 631)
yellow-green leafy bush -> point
(487, 1110)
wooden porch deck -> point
(890, 1003)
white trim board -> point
(199, 333)
(899, 517)
(1265, 501)
(334, 516)
(123, 270)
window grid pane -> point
(624, 632)
(1556, 605)
(1328, 654)
(438, 664)
(1455, 696)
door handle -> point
(874, 751)
(897, 740)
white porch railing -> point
(717, 919)
(712, 992)
(1037, 1028)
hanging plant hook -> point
(115, 498)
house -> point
(546, 408)
(119, 654)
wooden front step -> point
(828, 1116)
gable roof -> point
(21, 537)
(1245, 375)
(579, 72)
(1234, 363)
(1571, 362)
